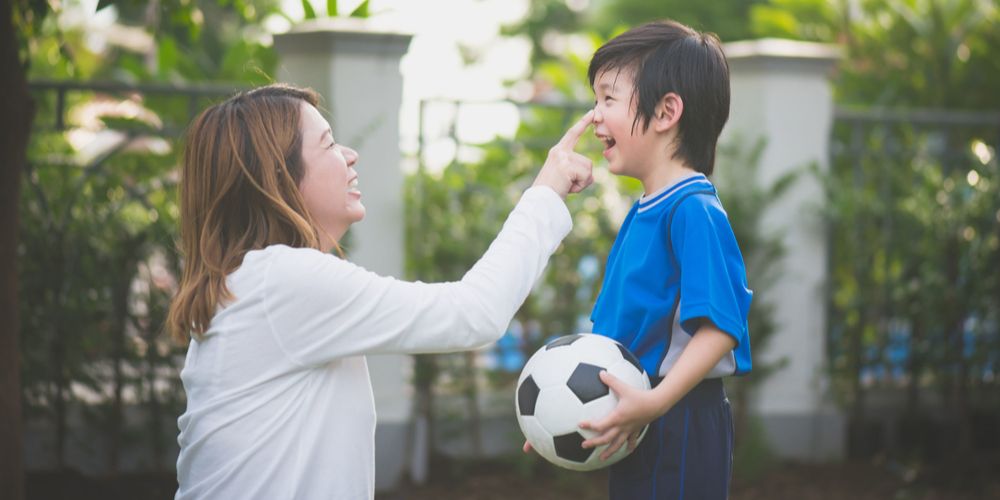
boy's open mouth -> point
(608, 141)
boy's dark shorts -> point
(687, 453)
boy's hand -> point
(565, 170)
(527, 447)
(636, 408)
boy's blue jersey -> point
(692, 269)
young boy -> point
(675, 290)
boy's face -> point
(627, 153)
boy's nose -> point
(598, 116)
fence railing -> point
(192, 96)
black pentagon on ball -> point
(627, 354)
(527, 396)
(561, 341)
(585, 382)
(568, 447)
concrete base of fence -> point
(818, 437)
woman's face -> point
(329, 183)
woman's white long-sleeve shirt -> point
(279, 402)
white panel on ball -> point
(556, 410)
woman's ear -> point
(667, 112)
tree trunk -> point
(17, 109)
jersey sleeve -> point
(713, 275)
(321, 307)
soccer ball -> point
(559, 387)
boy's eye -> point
(332, 145)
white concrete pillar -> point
(356, 70)
(781, 93)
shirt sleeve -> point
(321, 307)
(713, 276)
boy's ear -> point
(668, 111)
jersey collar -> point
(648, 202)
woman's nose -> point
(350, 155)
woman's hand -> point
(636, 408)
(565, 170)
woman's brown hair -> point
(238, 192)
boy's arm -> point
(637, 407)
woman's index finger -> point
(574, 133)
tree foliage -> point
(548, 20)
(920, 53)
(97, 259)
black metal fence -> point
(98, 265)
(914, 342)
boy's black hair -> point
(667, 56)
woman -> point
(279, 399)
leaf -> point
(361, 10)
(331, 8)
(770, 21)
(310, 13)
(167, 55)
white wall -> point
(781, 93)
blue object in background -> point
(507, 354)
